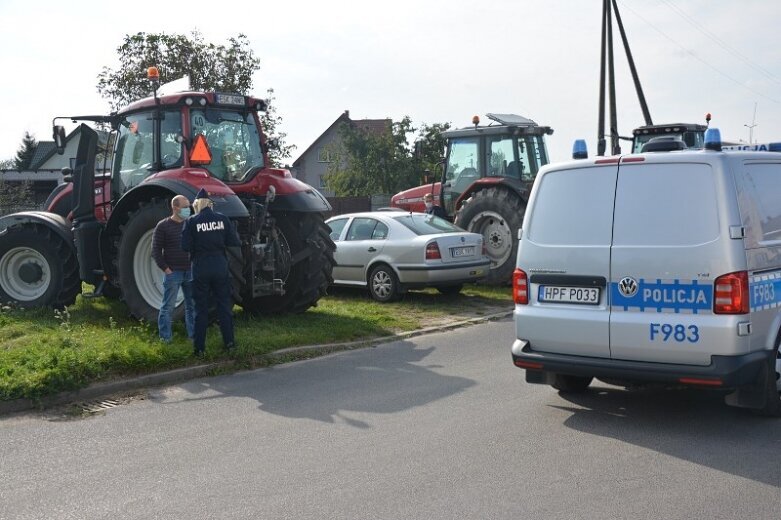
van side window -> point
(762, 213)
(654, 205)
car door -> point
(669, 245)
(565, 252)
(364, 240)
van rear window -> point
(655, 205)
(573, 207)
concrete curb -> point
(105, 389)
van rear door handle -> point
(372, 250)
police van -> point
(659, 267)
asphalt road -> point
(439, 427)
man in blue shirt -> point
(206, 236)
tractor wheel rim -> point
(381, 284)
(497, 236)
(12, 281)
(149, 278)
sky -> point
(435, 61)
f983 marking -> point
(674, 332)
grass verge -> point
(43, 352)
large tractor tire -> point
(140, 279)
(497, 214)
(37, 268)
(306, 265)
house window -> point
(322, 182)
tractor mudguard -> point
(230, 206)
(50, 220)
(309, 201)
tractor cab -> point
(512, 147)
(692, 135)
(220, 133)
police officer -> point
(206, 236)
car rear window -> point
(423, 224)
(573, 207)
(665, 205)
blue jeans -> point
(171, 284)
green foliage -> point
(371, 163)
(24, 155)
(271, 121)
(42, 352)
(7, 164)
(15, 196)
(210, 66)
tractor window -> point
(462, 169)
(501, 159)
(135, 147)
(234, 142)
(133, 158)
(531, 156)
(170, 148)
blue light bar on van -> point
(579, 149)
(713, 139)
(774, 147)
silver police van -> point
(659, 267)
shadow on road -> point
(688, 424)
(385, 380)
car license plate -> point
(456, 252)
(555, 294)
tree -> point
(210, 66)
(7, 164)
(270, 122)
(15, 196)
(24, 155)
(370, 163)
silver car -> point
(392, 251)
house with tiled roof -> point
(312, 165)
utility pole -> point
(752, 125)
(610, 7)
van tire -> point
(571, 384)
(772, 407)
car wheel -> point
(571, 384)
(383, 284)
(450, 290)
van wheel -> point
(571, 384)
(772, 406)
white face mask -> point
(429, 205)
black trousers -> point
(212, 278)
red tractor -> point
(99, 230)
(486, 180)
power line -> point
(701, 60)
(721, 43)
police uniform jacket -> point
(208, 234)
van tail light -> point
(520, 287)
(432, 251)
(730, 294)
(484, 249)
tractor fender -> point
(229, 205)
(309, 201)
(513, 185)
(52, 221)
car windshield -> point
(423, 224)
(234, 142)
